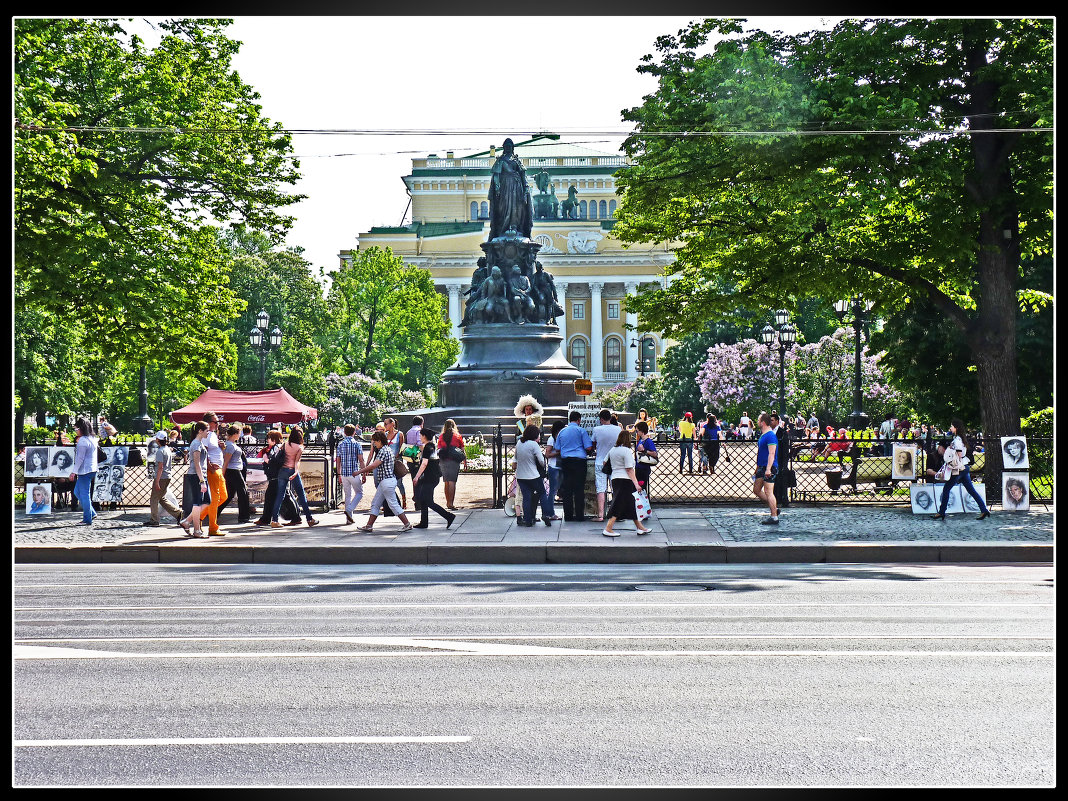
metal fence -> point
(321, 485)
(817, 471)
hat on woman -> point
(524, 402)
(688, 414)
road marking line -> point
(31, 652)
(464, 637)
(548, 605)
(238, 741)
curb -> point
(541, 553)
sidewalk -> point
(681, 534)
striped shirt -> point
(385, 469)
(348, 453)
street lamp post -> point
(263, 342)
(784, 334)
(642, 361)
(857, 419)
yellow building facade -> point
(593, 272)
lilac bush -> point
(819, 378)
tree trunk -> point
(992, 333)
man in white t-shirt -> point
(604, 437)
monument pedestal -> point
(499, 362)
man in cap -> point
(162, 479)
(686, 429)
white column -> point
(596, 334)
(631, 333)
(561, 293)
(454, 308)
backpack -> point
(275, 459)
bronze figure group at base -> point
(523, 296)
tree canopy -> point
(902, 160)
(126, 157)
(387, 320)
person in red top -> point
(450, 466)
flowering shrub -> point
(819, 378)
(739, 376)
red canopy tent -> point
(267, 406)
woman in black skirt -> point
(426, 479)
(624, 484)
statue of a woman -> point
(511, 207)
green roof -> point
(431, 228)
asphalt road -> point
(722, 675)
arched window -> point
(603, 209)
(474, 209)
(611, 208)
(593, 209)
(483, 212)
(582, 209)
(613, 356)
(578, 355)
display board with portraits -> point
(38, 498)
(60, 461)
(903, 464)
(38, 460)
(109, 484)
(1014, 453)
(927, 497)
(1015, 492)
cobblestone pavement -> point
(877, 524)
(732, 523)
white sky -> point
(423, 73)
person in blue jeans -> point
(767, 468)
(289, 475)
(554, 474)
(84, 468)
(960, 471)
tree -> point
(291, 291)
(387, 320)
(936, 199)
(125, 157)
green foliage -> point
(292, 292)
(645, 392)
(122, 219)
(1038, 424)
(896, 217)
(387, 321)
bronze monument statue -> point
(510, 206)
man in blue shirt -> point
(573, 443)
(767, 468)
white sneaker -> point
(408, 527)
(364, 528)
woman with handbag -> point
(426, 479)
(530, 473)
(624, 485)
(957, 462)
(381, 465)
(452, 454)
(289, 476)
(645, 455)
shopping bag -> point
(641, 505)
